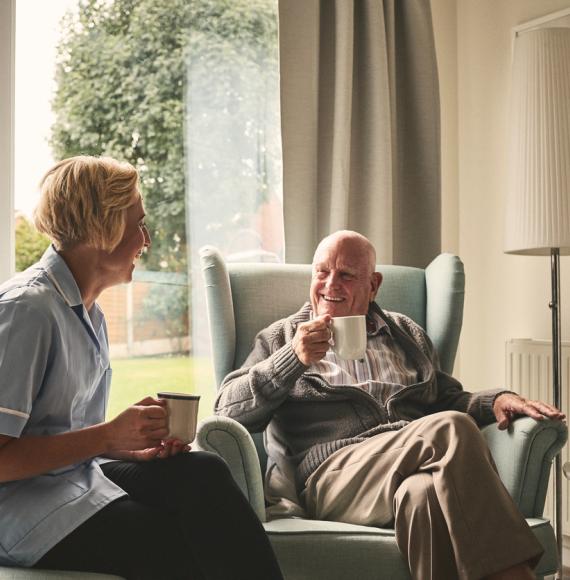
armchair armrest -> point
(523, 454)
(231, 441)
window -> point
(188, 93)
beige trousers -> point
(436, 481)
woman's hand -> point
(168, 448)
(172, 447)
(141, 427)
(139, 433)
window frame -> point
(7, 102)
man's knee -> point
(414, 493)
(455, 423)
(456, 419)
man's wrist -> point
(500, 394)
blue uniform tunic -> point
(54, 377)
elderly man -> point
(392, 439)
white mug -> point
(182, 412)
(349, 336)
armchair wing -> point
(232, 441)
(523, 454)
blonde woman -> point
(78, 492)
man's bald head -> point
(349, 238)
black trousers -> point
(184, 518)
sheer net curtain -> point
(360, 126)
(233, 142)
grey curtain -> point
(360, 126)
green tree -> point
(30, 244)
(122, 77)
(168, 305)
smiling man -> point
(390, 440)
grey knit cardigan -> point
(306, 419)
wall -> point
(506, 296)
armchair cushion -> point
(317, 550)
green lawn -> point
(135, 378)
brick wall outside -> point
(145, 325)
(113, 302)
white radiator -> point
(529, 373)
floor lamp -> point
(538, 199)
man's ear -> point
(375, 283)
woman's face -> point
(121, 261)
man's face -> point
(343, 283)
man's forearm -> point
(252, 393)
(451, 396)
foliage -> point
(30, 244)
(168, 305)
(124, 68)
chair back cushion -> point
(264, 293)
(243, 298)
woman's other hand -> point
(171, 447)
(168, 448)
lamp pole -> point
(557, 393)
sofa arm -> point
(231, 441)
(523, 454)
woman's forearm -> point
(28, 456)
(139, 427)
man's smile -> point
(331, 298)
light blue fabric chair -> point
(244, 298)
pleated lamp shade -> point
(538, 200)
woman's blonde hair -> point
(84, 199)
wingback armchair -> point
(244, 298)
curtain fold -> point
(360, 126)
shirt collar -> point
(61, 277)
(375, 324)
